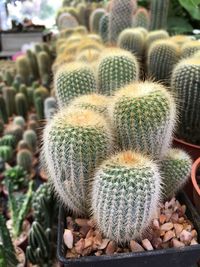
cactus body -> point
(33, 63)
(190, 48)
(116, 68)
(144, 117)
(159, 14)
(30, 138)
(154, 36)
(103, 27)
(141, 18)
(8, 140)
(9, 96)
(24, 159)
(44, 64)
(125, 196)
(95, 17)
(3, 111)
(15, 130)
(49, 106)
(19, 120)
(66, 20)
(23, 69)
(21, 105)
(1, 126)
(6, 153)
(75, 143)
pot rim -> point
(193, 175)
(186, 143)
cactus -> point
(162, 57)
(80, 30)
(24, 159)
(44, 64)
(6, 153)
(17, 176)
(133, 41)
(144, 116)
(103, 27)
(73, 80)
(74, 144)
(8, 140)
(125, 195)
(180, 39)
(15, 130)
(154, 36)
(30, 138)
(1, 126)
(22, 145)
(190, 48)
(95, 17)
(81, 8)
(8, 78)
(197, 55)
(120, 17)
(19, 121)
(3, 111)
(33, 125)
(33, 63)
(175, 168)
(23, 90)
(21, 105)
(50, 107)
(141, 18)
(185, 85)
(39, 106)
(66, 20)
(16, 85)
(9, 96)
(23, 68)
(159, 14)
(30, 93)
(116, 68)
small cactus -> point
(8, 140)
(15, 130)
(6, 153)
(154, 36)
(1, 126)
(30, 138)
(3, 110)
(21, 105)
(9, 96)
(23, 68)
(103, 27)
(95, 17)
(141, 18)
(49, 107)
(159, 14)
(190, 48)
(24, 159)
(32, 58)
(19, 121)
(22, 145)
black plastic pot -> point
(181, 257)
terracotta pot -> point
(196, 188)
(21, 257)
(193, 150)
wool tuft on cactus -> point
(125, 196)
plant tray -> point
(181, 257)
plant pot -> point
(21, 257)
(174, 257)
(196, 188)
(193, 150)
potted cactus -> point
(196, 183)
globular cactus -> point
(133, 41)
(185, 85)
(9, 96)
(154, 36)
(103, 27)
(50, 107)
(6, 153)
(95, 17)
(161, 59)
(72, 80)
(125, 196)
(32, 58)
(44, 65)
(96, 102)
(21, 105)
(175, 168)
(24, 159)
(74, 143)
(3, 110)
(20, 121)
(190, 48)
(23, 68)
(116, 68)
(8, 140)
(120, 18)
(141, 18)
(30, 138)
(159, 14)
(144, 116)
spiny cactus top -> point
(125, 196)
(190, 48)
(116, 68)
(144, 117)
(141, 18)
(72, 80)
(76, 141)
(155, 35)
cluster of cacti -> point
(190, 48)
(159, 14)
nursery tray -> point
(172, 257)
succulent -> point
(73, 80)
(30, 138)
(125, 195)
(8, 140)
(23, 90)
(8, 78)
(133, 41)
(66, 20)
(103, 27)
(175, 168)
(32, 58)
(190, 48)
(22, 145)
(3, 110)
(95, 17)
(161, 59)
(154, 36)
(6, 153)
(44, 64)
(33, 125)
(185, 85)
(19, 121)
(144, 116)
(17, 176)
(141, 18)
(15, 130)
(159, 14)
(50, 106)
(21, 105)
(116, 68)
(120, 17)
(74, 143)
(24, 159)
(1, 126)
(9, 96)
(23, 68)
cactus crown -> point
(189, 48)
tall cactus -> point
(21, 105)
(32, 58)
(23, 68)
(144, 116)
(3, 110)
(159, 14)
(95, 17)
(141, 18)
(116, 68)
(9, 96)
(74, 144)
(125, 196)
(44, 64)
(103, 27)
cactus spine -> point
(141, 18)
(159, 14)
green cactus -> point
(6, 153)
(9, 96)
(16, 85)
(39, 106)
(175, 168)
(23, 90)
(141, 18)
(159, 14)
(32, 58)
(30, 138)
(21, 105)
(30, 93)
(125, 195)
(116, 68)
(81, 8)
(120, 17)
(95, 17)
(19, 121)
(144, 116)
(33, 125)
(1, 126)
(22, 145)
(3, 110)
(8, 140)
(15, 130)
(161, 59)
(8, 78)
(23, 68)
(44, 64)
(133, 41)
(185, 85)
(103, 27)
(155, 36)
(17, 176)
(190, 48)
(73, 80)
(24, 159)
(50, 107)
(86, 139)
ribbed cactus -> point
(116, 68)
(161, 59)
(159, 14)
(6, 153)
(24, 159)
(73, 80)
(19, 120)
(23, 90)
(3, 111)
(66, 20)
(95, 17)
(133, 41)
(50, 107)
(190, 48)
(8, 78)
(181, 39)
(44, 65)
(30, 138)
(9, 96)
(125, 196)
(22, 145)
(8, 140)
(21, 105)
(185, 85)
(32, 58)
(121, 15)
(141, 18)
(74, 144)
(23, 68)
(144, 117)
(154, 36)
(103, 27)
(88, 56)
(175, 168)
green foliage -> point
(193, 7)
(17, 176)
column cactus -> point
(141, 18)
(50, 107)
(159, 14)
(21, 105)
(103, 27)
(23, 69)
(3, 110)
(24, 159)
(95, 17)
(30, 138)
(44, 65)
(9, 96)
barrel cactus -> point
(154, 36)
